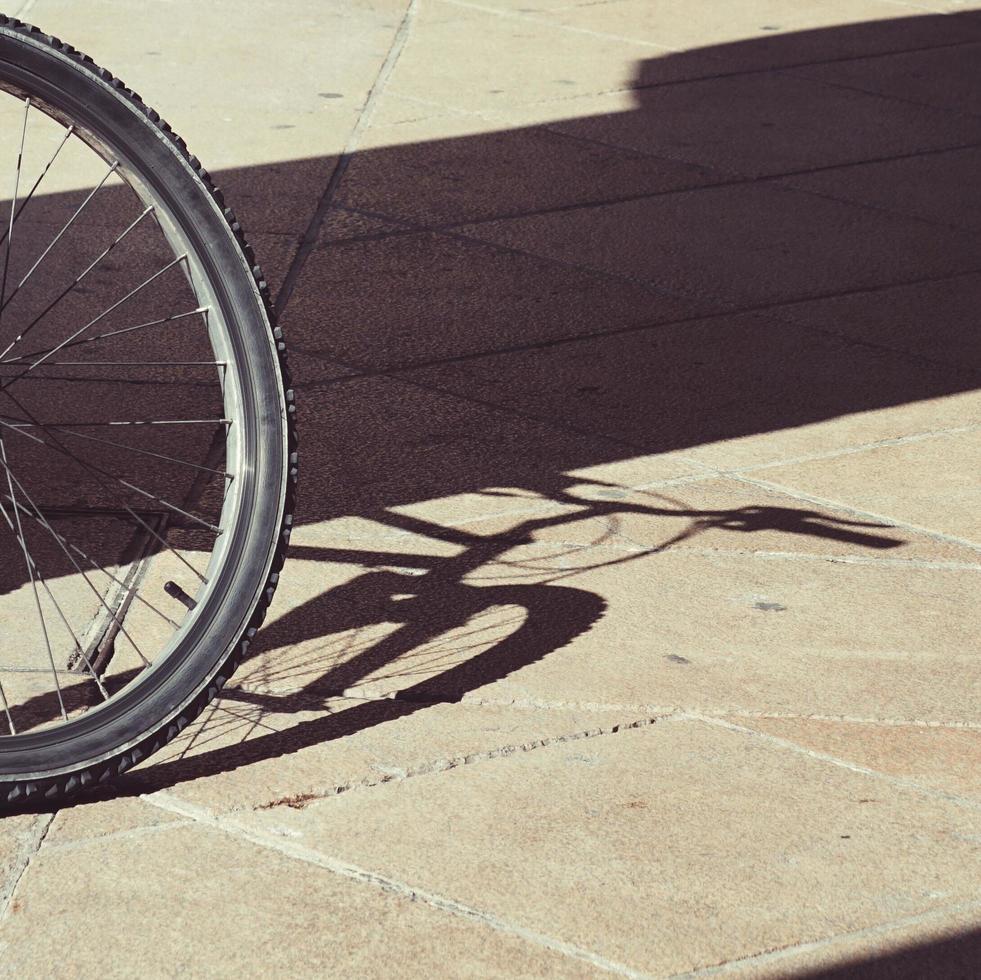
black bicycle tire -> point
(70, 763)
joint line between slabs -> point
(727, 179)
(663, 713)
(790, 556)
(897, 781)
(939, 724)
(129, 833)
(569, 28)
(298, 852)
(309, 239)
(846, 508)
(861, 448)
(841, 939)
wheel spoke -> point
(6, 711)
(102, 336)
(61, 615)
(13, 210)
(37, 183)
(19, 534)
(56, 446)
(104, 313)
(142, 452)
(16, 423)
(104, 571)
(133, 364)
(92, 265)
(44, 523)
(57, 238)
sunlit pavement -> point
(631, 619)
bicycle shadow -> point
(466, 322)
(427, 599)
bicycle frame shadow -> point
(427, 598)
(514, 345)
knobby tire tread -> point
(53, 789)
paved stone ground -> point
(632, 620)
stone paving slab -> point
(469, 77)
(662, 388)
(719, 516)
(614, 845)
(92, 821)
(245, 85)
(715, 631)
(190, 901)
(938, 77)
(913, 948)
(927, 482)
(892, 318)
(484, 299)
(769, 123)
(461, 454)
(740, 245)
(18, 843)
(944, 758)
(528, 168)
(935, 186)
(782, 33)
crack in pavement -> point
(653, 715)
(29, 849)
(398, 774)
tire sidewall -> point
(160, 695)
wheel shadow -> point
(420, 601)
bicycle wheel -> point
(147, 450)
